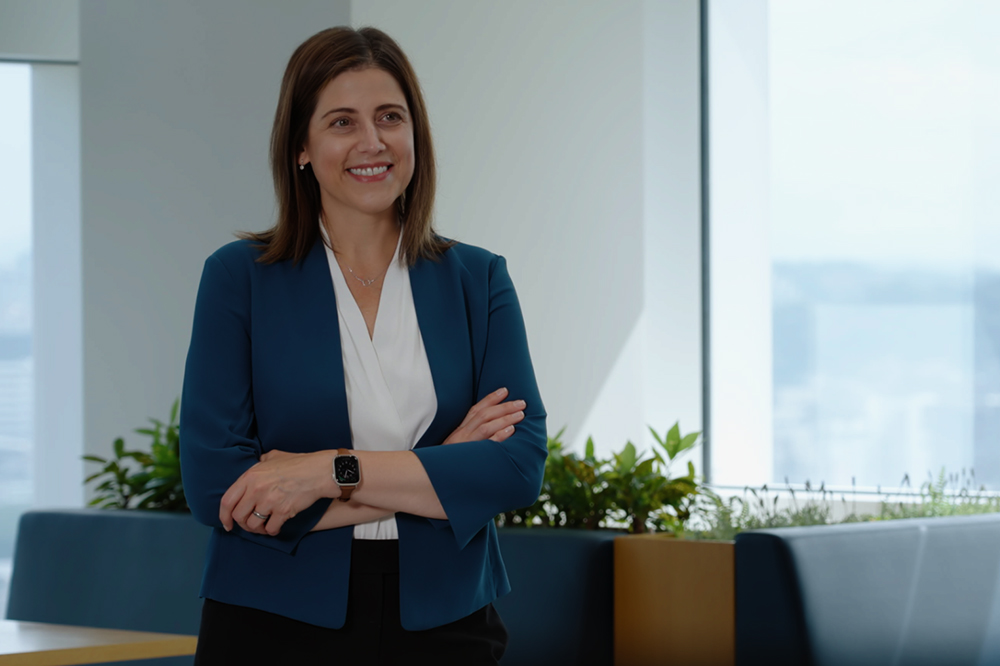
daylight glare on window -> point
(885, 240)
(15, 298)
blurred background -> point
(774, 221)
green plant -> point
(760, 509)
(937, 500)
(572, 493)
(626, 491)
(577, 495)
(945, 495)
(157, 483)
(646, 498)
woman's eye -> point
(341, 122)
(392, 117)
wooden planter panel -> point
(675, 601)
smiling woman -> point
(317, 105)
(351, 354)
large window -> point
(885, 154)
(883, 217)
(16, 391)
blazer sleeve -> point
(218, 438)
(477, 480)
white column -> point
(740, 260)
(58, 315)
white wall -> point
(606, 254)
(177, 101)
(40, 30)
(672, 310)
(539, 118)
(657, 377)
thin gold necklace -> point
(364, 282)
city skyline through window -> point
(885, 241)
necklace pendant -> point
(364, 282)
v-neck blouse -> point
(390, 391)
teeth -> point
(369, 171)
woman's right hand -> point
(490, 418)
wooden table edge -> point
(170, 645)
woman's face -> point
(360, 143)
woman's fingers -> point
(503, 434)
(254, 524)
(248, 520)
(489, 419)
(501, 410)
(489, 401)
(240, 501)
(274, 523)
(242, 512)
(229, 501)
(492, 428)
(278, 487)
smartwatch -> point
(346, 472)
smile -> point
(369, 171)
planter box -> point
(560, 607)
(675, 601)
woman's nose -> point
(370, 140)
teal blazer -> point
(265, 371)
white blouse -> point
(390, 391)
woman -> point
(358, 401)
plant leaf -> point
(627, 460)
(688, 441)
(673, 440)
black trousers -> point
(372, 634)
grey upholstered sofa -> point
(900, 593)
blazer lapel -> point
(444, 327)
(298, 365)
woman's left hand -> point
(280, 486)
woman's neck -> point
(362, 239)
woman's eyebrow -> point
(381, 107)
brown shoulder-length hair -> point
(316, 62)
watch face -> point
(346, 469)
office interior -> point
(770, 222)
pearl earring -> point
(302, 167)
